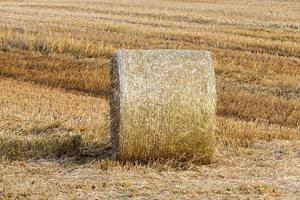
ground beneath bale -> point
(264, 170)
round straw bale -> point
(163, 105)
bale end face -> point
(163, 105)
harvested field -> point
(54, 78)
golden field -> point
(54, 81)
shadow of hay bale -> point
(18, 147)
(29, 139)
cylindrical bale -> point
(163, 105)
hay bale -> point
(163, 105)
